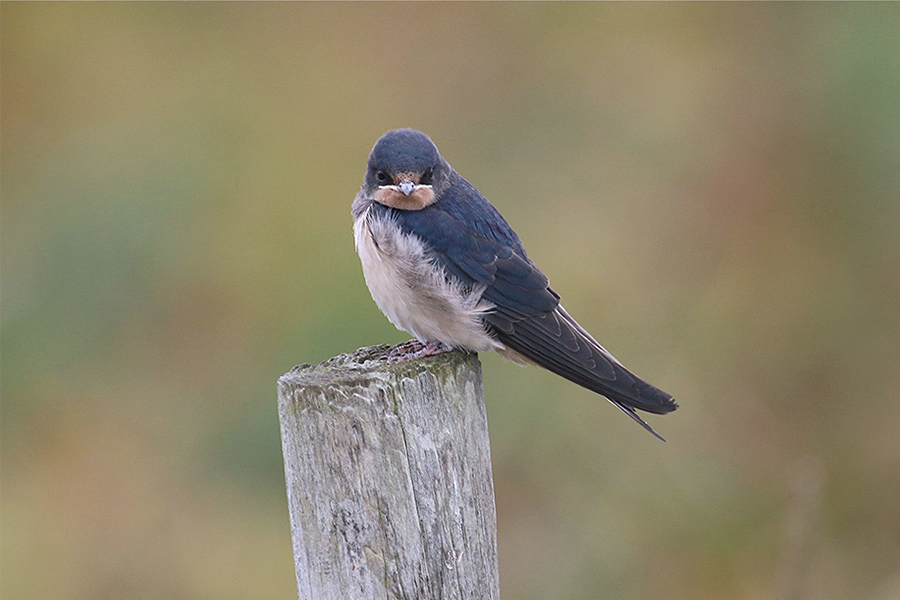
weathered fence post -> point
(388, 473)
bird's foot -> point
(415, 349)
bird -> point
(442, 264)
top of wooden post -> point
(368, 362)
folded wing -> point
(474, 245)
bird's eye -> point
(427, 177)
(382, 177)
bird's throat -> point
(418, 199)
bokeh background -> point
(714, 189)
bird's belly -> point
(414, 293)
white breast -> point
(413, 292)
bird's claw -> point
(415, 349)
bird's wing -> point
(478, 248)
(555, 341)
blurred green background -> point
(712, 188)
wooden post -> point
(388, 473)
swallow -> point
(444, 266)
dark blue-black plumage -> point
(405, 151)
(473, 244)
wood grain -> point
(388, 476)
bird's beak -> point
(406, 187)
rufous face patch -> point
(419, 198)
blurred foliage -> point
(712, 188)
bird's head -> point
(406, 171)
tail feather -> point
(556, 342)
